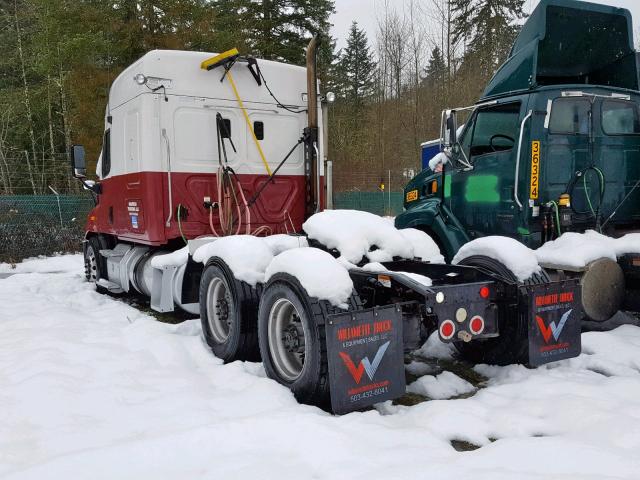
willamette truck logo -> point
(365, 365)
(553, 329)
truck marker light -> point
(447, 329)
(465, 336)
(484, 292)
(140, 79)
(461, 315)
(476, 325)
(412, 195)
(440, 297)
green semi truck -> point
(552, 146)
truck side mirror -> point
(450, 128)
(78, 165)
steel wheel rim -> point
(219, 310)
(91, 265)
(287, 340)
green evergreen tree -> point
(436, 71)
(356, 67)
(276, 29)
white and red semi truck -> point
(201, 148)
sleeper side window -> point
(106, 154)
(258, 129)
(225, 128)
(570, 116)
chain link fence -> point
(32, 225)
(380, 203)
(379, 193)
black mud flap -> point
(555, 317)
(366, 358)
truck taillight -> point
(476, 325)
(447, 329)
(485, 292)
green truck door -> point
(482, 198)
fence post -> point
(59, 209)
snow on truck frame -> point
(210, 199)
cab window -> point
(570, 116)
(620, 117)
(494, 130)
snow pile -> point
(320, 274)
(73, 262)
(246, 255)
(423, 245)
(280, 243)
(630, 243)
(358, 234)
(518, 258)
(579, 249)
(571, 249)
(439, 387)
(173, 259)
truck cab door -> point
(482, 197)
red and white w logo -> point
(365, 365)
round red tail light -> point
(484, 292)
(447, 329)
(476, 325)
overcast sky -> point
(365, 12)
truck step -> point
(110, 286)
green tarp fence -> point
(374, 202)
(32, 225)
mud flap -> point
(555, 317)
(366, 358)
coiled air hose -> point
(595, 213)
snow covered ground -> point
(90, 387)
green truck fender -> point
(433, 217)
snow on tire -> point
(228, 309)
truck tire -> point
(95, 265)
(292, 338)
(228, 311)
(512, 345)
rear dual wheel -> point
(292, 339)
(228, 310)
